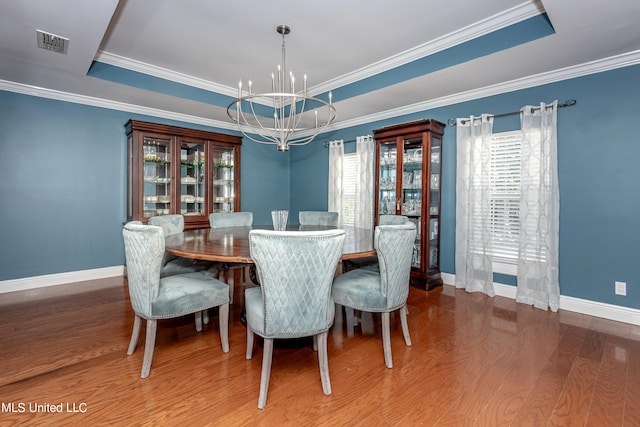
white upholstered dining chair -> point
(172, 264)
(388, 219)
(324, 218)
(232, 219)
(154, 297)
(384, 290)
(295, 269)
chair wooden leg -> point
(405, 325)
(205, 317)
(315, 343)
(267, 355)
(198, 315)
(223, 319)
(228, 277)
(135, 334)
(349, 315)
(149, 344)
(386, 340)
(323, 360)
(250, 339)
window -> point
(505, 164)
(348, 213)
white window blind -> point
(349, 189)
(505, 196)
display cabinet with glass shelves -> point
(408, 183)
(175, 170)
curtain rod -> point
(326, 144)
(568, 103)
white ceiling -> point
(211, 44)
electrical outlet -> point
(621, 288)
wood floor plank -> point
(606, 407)
(575, 399)
(632, 387)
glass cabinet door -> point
(434, 202)
(387, 185)
(412, 171)
(157, 176)
(174, 170)
(192, 178)
(223, 179)
(408, 171)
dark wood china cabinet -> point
(408, 172)
(176, 170)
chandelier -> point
(282, 117)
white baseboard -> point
(578, 305)
(27, 283)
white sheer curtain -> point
(336, 156)
(364, 182)
(539, 209)
(473, 203)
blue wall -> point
(63, 185)
(63, 173)
(598, 146)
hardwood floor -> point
(474, 361)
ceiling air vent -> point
(52, 42)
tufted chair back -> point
(394, 246)
(144, 249)
(171, 224)
(329, 219)
(230, 219)
(296, 270)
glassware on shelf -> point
(388, 183)
(416, 157)
(417, 179)
(407, 180)
(435, 181)
(412, 207)
(415, 259)
(383, 205)
(433, 257)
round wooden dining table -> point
(231, 244)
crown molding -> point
(163, 73)
(593, 67)
(496, 22)
(109, 104)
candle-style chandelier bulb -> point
(294, 116)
